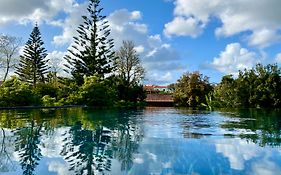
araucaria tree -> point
(91, 54)
(33, 63)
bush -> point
(191, 90)
(16, 93)
(94, 92)
(48, 101)
(49, 89)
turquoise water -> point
(154, 141)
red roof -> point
(151, 87)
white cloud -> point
(181, 26)
(154, 40)
(69, 25)
(56, 62)
(122, 16)
(278, 58)
(236, 17)
(139, 49)
(45, 11)
(160, 78)
(135, 15)
(34, 11)
(158, 58)
(263, 38)
(234, 58)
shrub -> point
(16, 93)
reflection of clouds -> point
(237, 151)
(59, 168)
(138, 160)
(152, 156)
(167, 165)
(265, 167)
(52, 145)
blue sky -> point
(216, 37)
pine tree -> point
(91, 54)
(33, 64)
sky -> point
(171, 37)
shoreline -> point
(41, 107)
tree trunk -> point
(7, 70)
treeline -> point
(259, 87)
(99, 75)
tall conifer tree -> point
(91, 53)
(32, 67)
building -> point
(150, 89)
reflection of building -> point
(158, 95)
(156, 89)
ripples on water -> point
(150, 141)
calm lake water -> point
(154, 141)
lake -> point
(154, 141)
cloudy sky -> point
(216, 37)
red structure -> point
(158, 96)
(155, 88)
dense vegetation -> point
(258, 87)
(191, 89)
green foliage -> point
(16, 93)
(191, 89)
(225, 93)
(94, 92)
(128, 75)
(43, 89)
(32, 67)
(134, 93)
(92, 52)
(48, 101)
(257, 87)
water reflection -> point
(262, 127)
(150, 141)
(88, 150)
(27, 146)
(6, 141)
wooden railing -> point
(159, 98)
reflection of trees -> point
(27, 141)
(265, 126)
(5, 156)
(89, 145)
(90, 148)
(196, 124)
(125, 142)
(86, 150)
